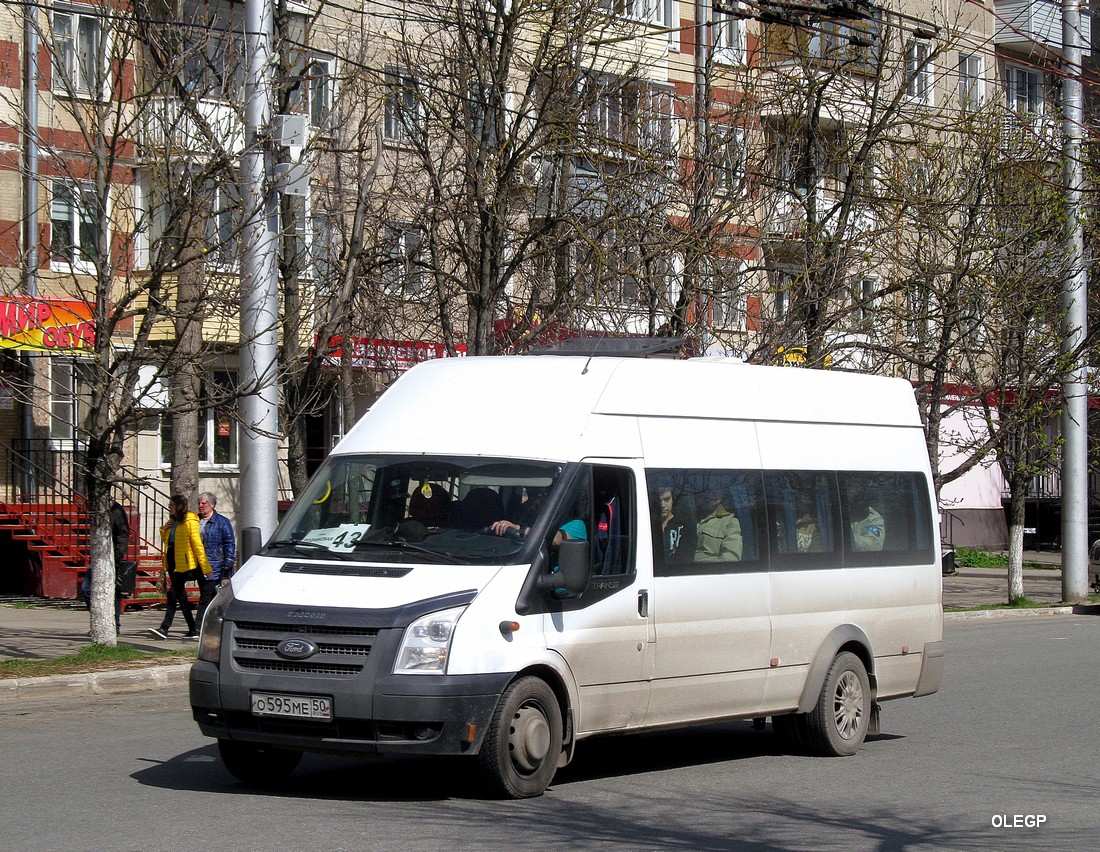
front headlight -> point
(427, 643)
(210, 639)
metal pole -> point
(1074, 321)
(259, 285)
(30, 218)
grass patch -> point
(94, 658)
(22, 605)
(969, 557)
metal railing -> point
(45, 487)
(47, 484)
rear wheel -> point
(838, 724)
(520, 754)
(256, 764)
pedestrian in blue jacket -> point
(220, 547)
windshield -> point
(416, 509)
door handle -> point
(643, 603)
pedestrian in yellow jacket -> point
(184, 560)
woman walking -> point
(184, 560)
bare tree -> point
(118, 188)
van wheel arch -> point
(845, 637)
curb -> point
(88, 684)
(1035, 612)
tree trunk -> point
(1016, 542)
(186, 373)
(102, 564)
(100, 470)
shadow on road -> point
(393, 779)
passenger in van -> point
(677, 535)
(718, 535)
(807, 535)
(868, 533)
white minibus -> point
(508, 555)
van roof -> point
(541, 407)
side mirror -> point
(574, 568)
(251, 541)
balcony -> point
(169, 128)
(1032, 135)
(1031, 25)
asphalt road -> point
(1010, 738)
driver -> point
(572, 530)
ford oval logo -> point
(295, 649)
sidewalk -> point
(58, 629)
(53, 630)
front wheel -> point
(520, 754)
(256, 764)
(838, 724)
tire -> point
(256, 764)
(520, 754)
(837, 726)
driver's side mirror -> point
(574, 568)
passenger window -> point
(705, 521)
(886, 518)
(802, 510)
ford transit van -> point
(508, 555)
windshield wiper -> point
(416, 548)
(303, 544)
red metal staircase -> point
(58, 533)
(42, 507)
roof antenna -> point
(596, 343)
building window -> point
(404, 117)
(656, 122)
(970, 82)
(918, 71)
(783, 283)
(68, 401)
(866, 298)
(324, 252)
(217, 427)
(79, 55)
(214, 59)
(726, 302)
(729, 157)
(320, 90)
(74, 225)
(224, 225)
(1024, 90)
(728, 33)
(402, 274)
(657, 12)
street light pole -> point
(1074, 320)
(259, 284)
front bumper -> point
(402, 714)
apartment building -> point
(474, 178)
